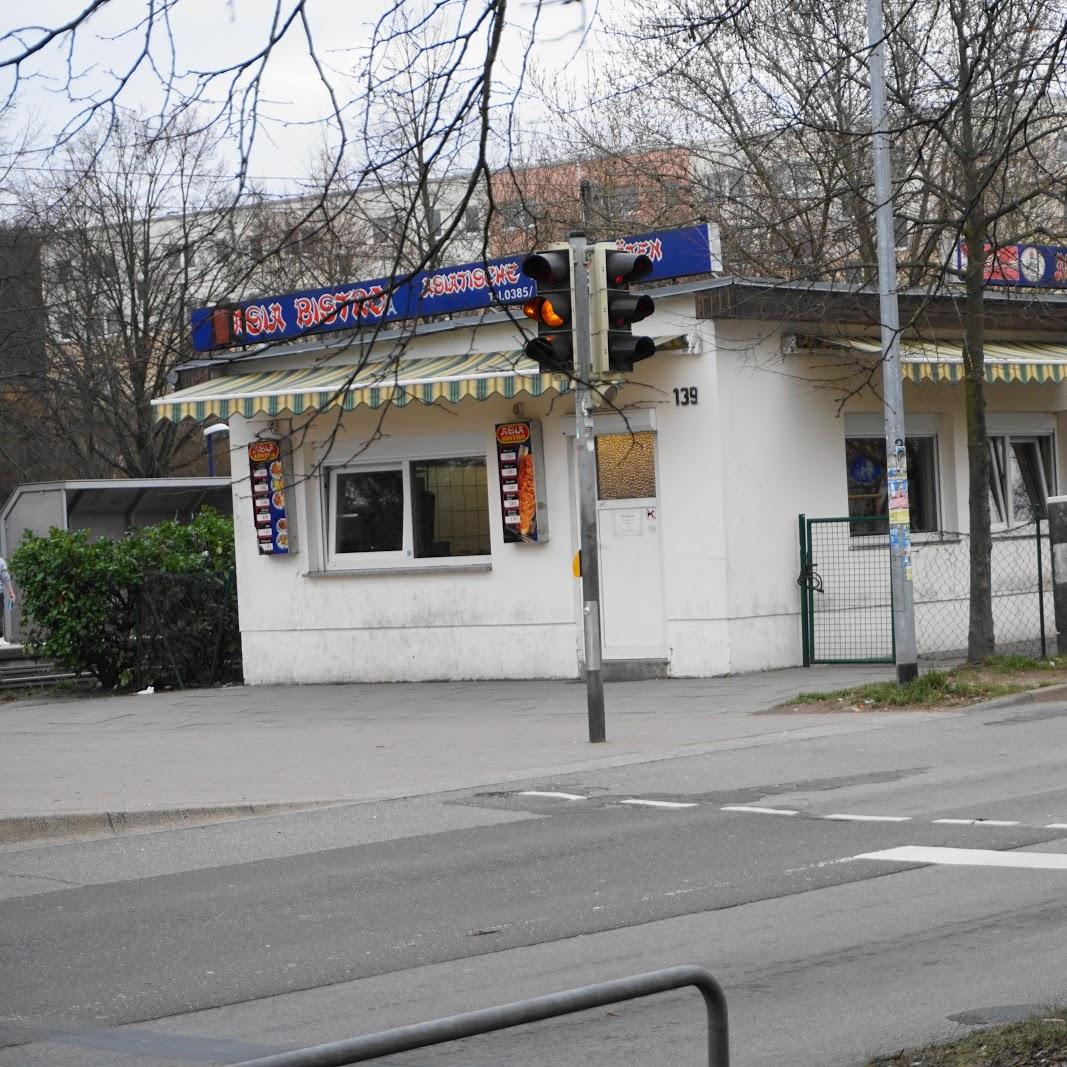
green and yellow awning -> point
(942, 361)
(401, 382)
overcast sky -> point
(209, 34)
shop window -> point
(370, 511)
(451, 507)
(423, 509)
(1021, 477)
(867, 488)
(626, 465)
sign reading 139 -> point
(686, 396)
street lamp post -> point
(209, 444)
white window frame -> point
(405, 553)
(919, 425)
(397, 454)
(1002, 473)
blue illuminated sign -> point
(444, 291)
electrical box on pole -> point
(614, 310)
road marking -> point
(658, 803)
(760, 811)
(970, 857)
(1056, 826)
(551, 796)
(975, 822)
(869, 818)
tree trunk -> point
(980, 640)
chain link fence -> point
(188, 634)
(847, 601)
(1021, 574)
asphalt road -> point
(216, 944)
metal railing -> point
(457, 1027)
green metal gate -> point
(846, 603)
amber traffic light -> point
(552, 309)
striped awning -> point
(942, 361)
(428, 381)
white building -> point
(399, 568)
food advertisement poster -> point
(269, 488)
(520, 465)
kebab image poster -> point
(522, 496)
(268, 497)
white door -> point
(631, 569)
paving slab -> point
(246, 746)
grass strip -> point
(969, 682)
(1040, 1041)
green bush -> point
(157, 607)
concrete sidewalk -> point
(103, 764)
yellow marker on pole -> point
(576, 565)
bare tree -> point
(772, 103)
(420, 101)
(129, 226)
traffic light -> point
(614, 310)
(552, 309)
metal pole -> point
(587, 530)
(520, 1013)
(1040, 584)
(805, 592)
(892, 387)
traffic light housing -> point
(552, 309)
(614, 310)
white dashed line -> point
(759, 811)
(868, 818)
(755, 809)
(974, 822)
(551, 796)
(970, 857)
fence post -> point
(1040, 582)
(805, 594)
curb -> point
(30, 829)
(1046, 694)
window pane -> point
(370, 511)
(451, 507)
(997, 481)
(866, 479)
(626, 465)
(1029, 482)
(865, 469)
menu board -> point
(269, 486)
(520, 464)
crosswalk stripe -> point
(551, 796)
(970, 857)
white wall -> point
(764, 443)
(302, 624)
(785, 455)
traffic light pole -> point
(587, 527)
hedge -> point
(156, 607)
